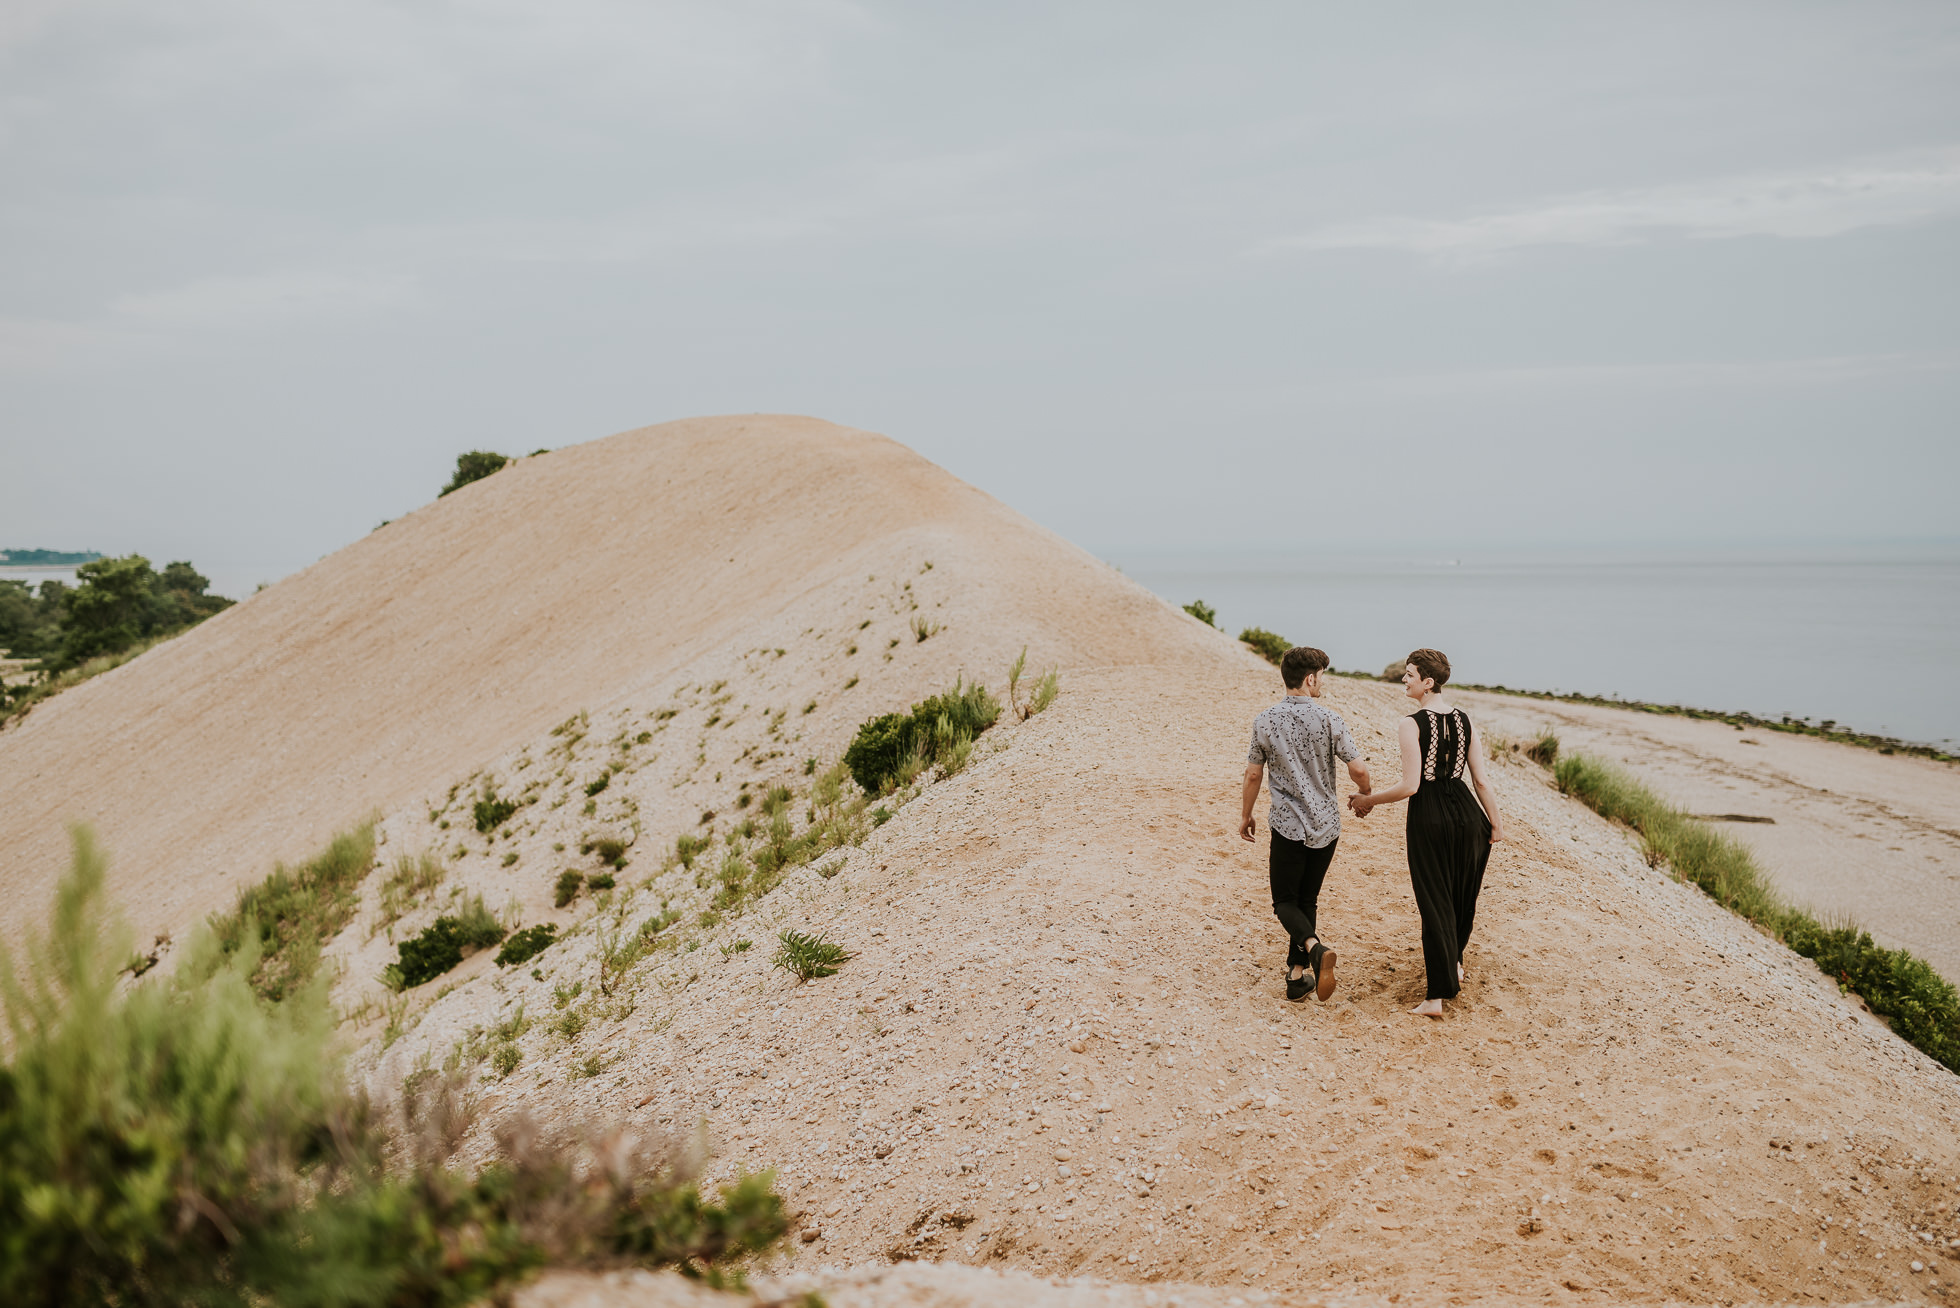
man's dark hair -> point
(1299, 663)
(1433, 664)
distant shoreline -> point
(1827, 730)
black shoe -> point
(1297, 988)
(1323, 968)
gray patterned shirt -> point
(1297, 741)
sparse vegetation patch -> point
(1922, 1006)
(892, 749)
(181, 1141)
(441, 946)
(282, 922)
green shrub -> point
(598, 784)
(441, 944)
(491, 812)
(611, 851)
(887, 745)
(1922, 1006)
(473, 466)
(809, 956)
(505, 1058)
(1264, 643)
(1203, 612)
(686, 847)
(183, 1141)
(525, 945)
(600, 881)
(567, 888)
(284, 920)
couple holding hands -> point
(1295, 746)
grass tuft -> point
(1922, 1006)
(286, 919)
(1203, 612)
(809, 956)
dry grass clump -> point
(412, 878)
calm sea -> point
(1867, 637)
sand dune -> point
(1061, 1050)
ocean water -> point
(1868, 637)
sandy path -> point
(1853, 831)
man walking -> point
(1300, 740)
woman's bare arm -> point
(1484, 793)
(1411, 773)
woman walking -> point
(1449, 836)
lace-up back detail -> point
(1445, 740)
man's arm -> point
(1255, 773)
(1358, 774)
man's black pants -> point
(1297, 871)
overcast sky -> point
(1181, 276)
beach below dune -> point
(1850, 832)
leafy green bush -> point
(182, 1141)
(473, 466)
(1203, 612)
(1922, 1006)
(686, 847)
(598, 784)
(440, 946)
(600, 881)
(1264, 643)
(283, 921)
(491, 812)
(931, 733)
(567, 888)
(525, 945)
(809, 956)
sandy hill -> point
(1061, 1048)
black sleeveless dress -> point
(1449, 844)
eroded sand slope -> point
(1062, 1046)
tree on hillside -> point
(30, 627)
(474, 466)
(124, 600)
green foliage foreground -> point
(184, 1140)
(1922, 1006)
(939, 731)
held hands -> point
(1361, 803)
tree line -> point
(114, 604)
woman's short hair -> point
(1433, 664)
(1299, 663)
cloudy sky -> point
(1179, 276)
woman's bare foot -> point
(1428, 1008)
